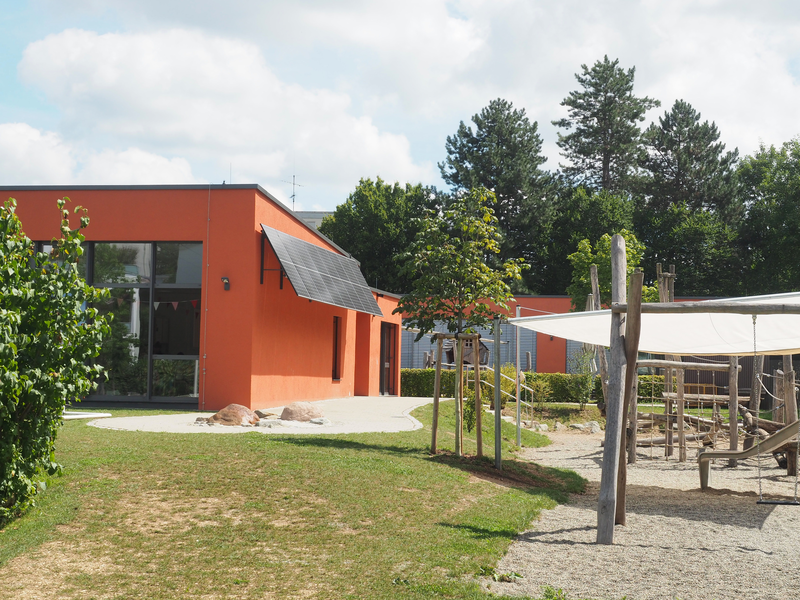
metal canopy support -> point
(263, 239)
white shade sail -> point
(687, 334)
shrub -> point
(48, 338)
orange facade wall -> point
(260, 345)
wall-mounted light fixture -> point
(227, 283)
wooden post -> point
(790, 398)
(476, 362)
(498, 460)
(615, 419)
(437, 388)
(633, 327)
(602, 362)
(778, 412)
(663, 296)
(633, 418)
(681, 420)
(519, 391)
(528, 362)
(733, 406)
(459, 348)
(755, 394)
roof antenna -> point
(294, 184)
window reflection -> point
(175, 377)
(122, 263)
(179, 263)
(124, 352)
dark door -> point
(388, 359)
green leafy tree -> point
(600, 254)
(503, 154)
(448, 264)
(702, 246)
(376, 224)
(685, 163)
(771, 230)
(48, 338)
(604, 146)
(582, 214)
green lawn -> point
(148, 515)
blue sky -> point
(115, 91)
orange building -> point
(221, 295)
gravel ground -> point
(679, 542)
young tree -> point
(448, 264)
(376, 224)
(686, 163)
(48, 338)
(503, 154)
(600, 255)
(605, 144)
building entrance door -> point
(388, 359)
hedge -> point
(563, 387)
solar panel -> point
(319, 274)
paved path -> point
(358, 414)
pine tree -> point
(686, 163)
(503, 154)
(605, 145)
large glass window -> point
(155, 294)
(125, 352)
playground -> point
(679, 541)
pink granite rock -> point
(234, 415)
(301, 411)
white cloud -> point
(213, 100)
(32, 157)
(133, 166)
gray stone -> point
(264, 413)
(270, 423)
(543, 427)
(593, 427)
(578, 426)
(559, 426)
(321, 421)
(301, 411)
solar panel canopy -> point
(321, 275)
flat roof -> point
(178, 186)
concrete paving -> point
(358, 414)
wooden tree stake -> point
(437, 388)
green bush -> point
(651, 386)
(563, 387)
(48, 338)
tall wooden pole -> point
(790, 399)
(459, 348)
(755, 393)
(476, 363)
(733, 406)
(664, 296)
(498, 460)
(437, 388)
(633, 327)
(607, 502)
(519, 373)
(681, 421)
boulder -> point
(593, 427)
(301, 411)
(559, 426)
(234, 415)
